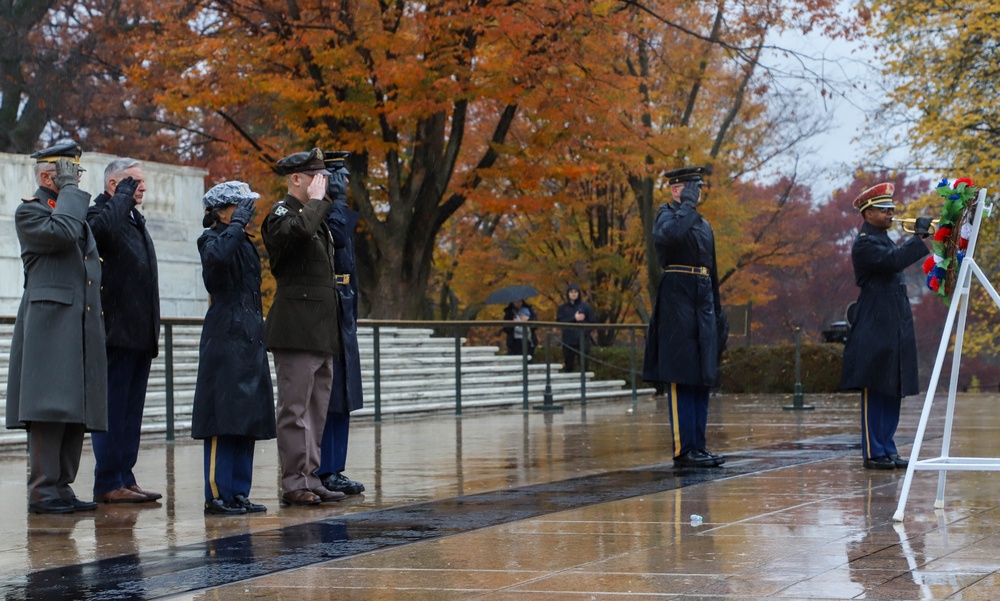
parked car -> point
(838, 332)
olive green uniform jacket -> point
(305, 314)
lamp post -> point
(797, 398)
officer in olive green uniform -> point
(302, 326)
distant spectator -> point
(574, 310)
(520, 311)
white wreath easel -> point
(959, 308)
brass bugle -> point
(910, 225)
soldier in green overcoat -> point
(57, 385)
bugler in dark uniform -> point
(233, 398)
(880, 357)
(57, 385)
(688, 330)
(302, 329)
(346, 393)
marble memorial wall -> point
(172, 207)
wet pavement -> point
(582, 504)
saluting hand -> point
(336, 187)
(691, 193)
(67, 173)
(244, 211)
(317, 187)
(127, 186)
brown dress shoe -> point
(327, 496)
(121, 495)
(300, 497)
(149, 494)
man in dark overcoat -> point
(57, 383)
(345, 393)
(302, 329)
(880, 357)
(131, 298)
(688, 330)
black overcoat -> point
(233, 394)
(346, 394)
(688, 330)
(131, 294)
(566, 313)
(881, 350)
(58, 363)
(305, 313)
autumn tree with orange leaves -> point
(682, 85)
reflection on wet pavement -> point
(578, 505)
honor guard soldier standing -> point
(233, 398)
(688, 330)
(57, 383)
(880, 357)
(302, 329)
(346, 394)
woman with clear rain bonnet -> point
(233, 399)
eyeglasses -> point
(885, 210)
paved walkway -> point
(582, 504)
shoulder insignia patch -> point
(280, 211)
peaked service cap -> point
(688, 174)
(309, 163)
(70, 150)
(879, 195)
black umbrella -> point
(510, 294)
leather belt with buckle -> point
(686, 269)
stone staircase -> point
(417, 374)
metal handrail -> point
(459, 327)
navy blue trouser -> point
(333, 449)
(228, 467)
(688, 416)
(879, 419)
(117, 450)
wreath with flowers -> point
(951, 237)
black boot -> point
(219, 507)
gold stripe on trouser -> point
(211, 469)
(864, 422)
(674, 420)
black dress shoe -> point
(51, 506)
(80, 505)
(219, 507)
(241, 501)
(898, 461)
(694, 459)
(340, 483)
(719, 459)
(879, 463)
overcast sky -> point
(854, 91)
